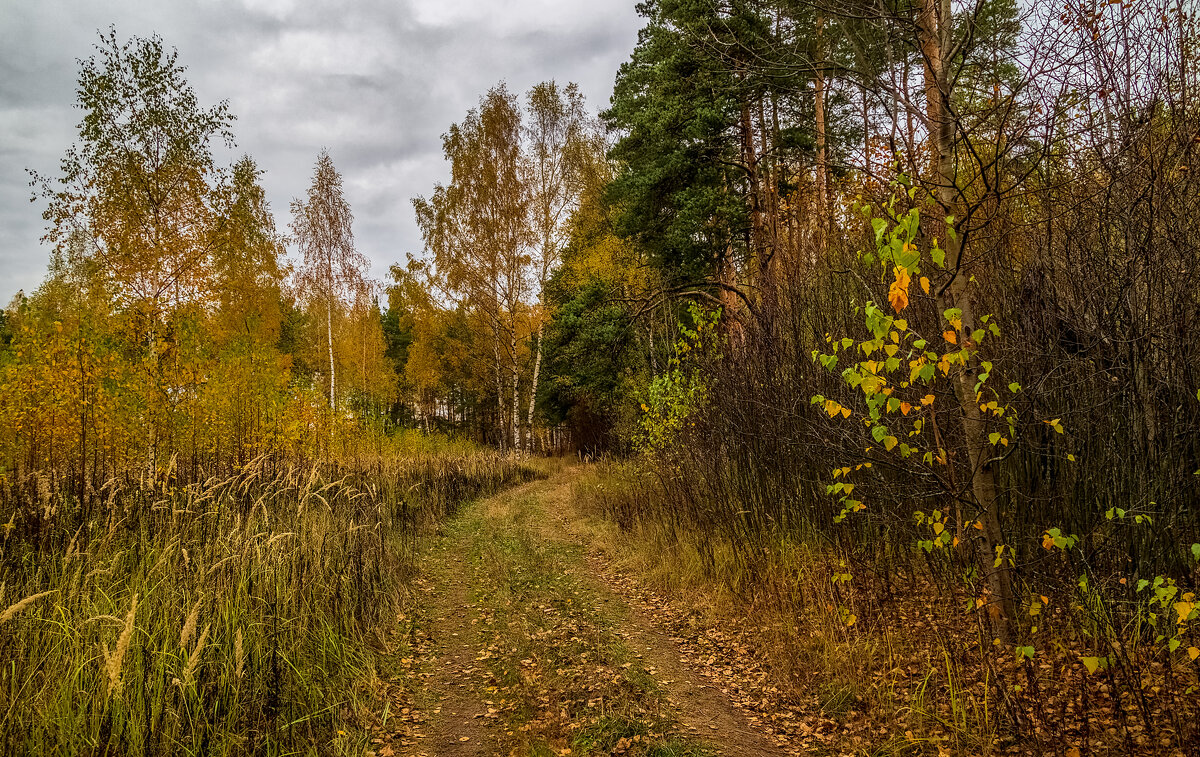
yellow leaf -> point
(905, 408)
(898, 292)
(925, 284)
(845, 412)
(1193, 653)
(889, 442)
(1184, 609)
(927, 400)
(950, 336)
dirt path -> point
(533, 649)
(702, 708)
(458, 716)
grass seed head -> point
(114, 660)
(16, 607)
(189, 625)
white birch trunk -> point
(537, 368)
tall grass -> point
(233, 615)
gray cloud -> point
(376, 82)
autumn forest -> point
(834, 389)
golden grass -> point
(235, 614)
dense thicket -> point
(953, 250)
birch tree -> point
(477, 230)
(558, 133)
(333, 269)
(136, 195)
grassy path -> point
(527, 650)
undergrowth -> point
(885, 651)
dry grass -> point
(895, 661)
(281, 575)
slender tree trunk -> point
(750, 159)
(822, 156)
(533, 387)
(516, 392)
(931, 28)
(329, 338)
(503, 434)
(153, 408)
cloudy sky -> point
(374, 81)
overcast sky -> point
(376, 82)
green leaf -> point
(1025, 653)
(1196, 552)
(1091, 663)
(994, 437)
(880, 226)
(1014, 387)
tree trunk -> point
(503, 434)
(822, 156)
(516, 393)
(537, 367)
(329, 337)
(931, 27)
